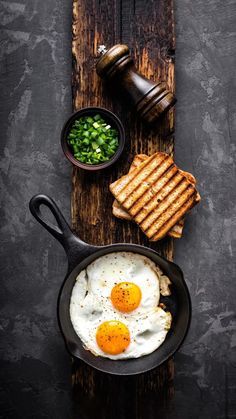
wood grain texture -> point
(148, 28)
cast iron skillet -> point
(81, 254)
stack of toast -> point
(155, 194)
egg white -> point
(107, 271)
(91, 305)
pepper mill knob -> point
(150, 99)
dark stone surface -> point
(205, 145)
(36, 99)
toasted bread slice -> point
(117, 209)
(156, 194)
(120, 212)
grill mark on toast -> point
(117, 186)
(117, 209)
(156, 222)
(146, 171)
(179, 213)
(149, 199)
(161, 208)
(138, 159)
(147, 183)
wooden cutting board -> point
(147, 27)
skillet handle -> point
(75, 248)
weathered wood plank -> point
(148, 28)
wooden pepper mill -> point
(150, 99)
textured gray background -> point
(35, 100)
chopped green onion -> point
(92, 140)
(96, 125)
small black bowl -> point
(110, 118)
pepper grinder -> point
(150, 99)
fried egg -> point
(114, 306)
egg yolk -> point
(126, 296)
(113, 337)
